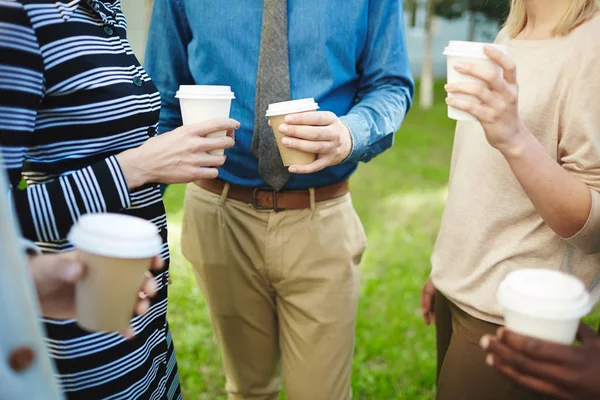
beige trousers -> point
(282, 289)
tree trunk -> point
(471, 9)
(426, 98)
(414, 8)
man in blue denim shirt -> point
(279, 269)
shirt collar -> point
(106, 11)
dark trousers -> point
(462, 372)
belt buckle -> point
(263, 208)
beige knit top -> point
(490, 226)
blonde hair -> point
(578, 12)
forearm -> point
(563, 201)
(374, 120)
(47, 211)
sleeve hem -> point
(588, 237)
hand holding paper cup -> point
(277, 112)
(117, 251)
(466, 52)
(544, 304)
(200, 103)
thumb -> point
(586, 334)
(49, 271)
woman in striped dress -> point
(78, 116)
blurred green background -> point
(399, 197)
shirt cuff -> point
(30, 248)
(588, 238)
(360, 133)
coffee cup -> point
(472, 53)
(117, 251)
(200, 103)
(277, 113)
(544, 304)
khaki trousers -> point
(462, 372)
(282, 289)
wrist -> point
(132, 166)
(517, 146)
(347, 143)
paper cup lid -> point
(544, 293)
(205, 92)
(470, 49)
(116, 235)
(292, 107)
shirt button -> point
(21, 359)
(108, 30)
(151, 131)
(137, 81)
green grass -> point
(400, 197)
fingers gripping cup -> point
(117, 251)
(472, 53)
(277, 112)
(202, 103)
(544, 304)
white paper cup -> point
(544, 304)
(117, 251)
(201, 103)
(277, 112)
(466, 52)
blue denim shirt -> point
(350, 55)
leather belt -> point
(268, 199)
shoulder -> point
(8, 5)
(13, 16)
(503, 37)
(584, 40)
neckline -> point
(550, 41)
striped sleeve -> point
(46, 211)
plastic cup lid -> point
(291, 107)
(544, 293)
(470, 49)
(205, 92)
(116, 235)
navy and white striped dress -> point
(72, 96)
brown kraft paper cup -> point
(108, 293)
(289, 156)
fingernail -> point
(283, 128)
(286, 141)
(289, 119)
(142, 295)
(292, 170)
(500, 333)
(71, 271)
(447, 99)
(459, 66)
(489, 360)
(484, 342)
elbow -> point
(584, 232)
(588, 248)
(586, 239)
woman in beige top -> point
(524, 185)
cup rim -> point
(111, 239)
(467, 49)
(205, 92)
(292, 107)
(512, 299)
